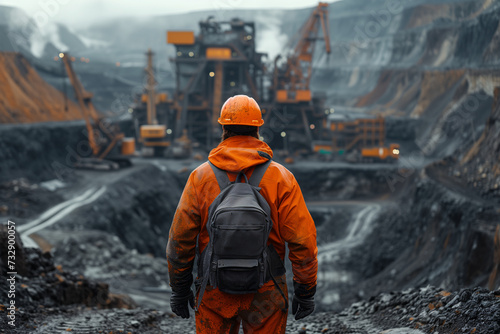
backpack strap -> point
(223, 179)
(207, 260)
(221, 176)
(258, 173)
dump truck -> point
(381, 153)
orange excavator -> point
(109, 147)
(291, 81)
(290, 88)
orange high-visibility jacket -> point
(292, 222)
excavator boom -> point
(96, 128)
(291, 84)
(84, 100)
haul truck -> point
(382, 153)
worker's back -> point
(265, 310)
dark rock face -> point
(479, 166)
(39, 152)
(44, 151)
(401, 129)
(21, 199)
(437, 232)
(439, 236)
(103, 257)
(138, 209)
(326, 182)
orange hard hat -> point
(241, 110)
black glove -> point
(179, 302)
(303, 300)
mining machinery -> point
(290, 91)
(109, 146)
(222, 61)
(358, 139)
(152, 115)
(218, 63)
(291, 81)
(155, 120)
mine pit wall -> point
(434, 113)
(452, 35)
(38, 152)
(434, 237)
(429, 235)
(480, 166)
(324, 182)
(44, 151)
(445, 110)
(27, 98)
(417, 67)
(138, 209)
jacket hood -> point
(240, 152)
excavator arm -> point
(95, 126)
(84, 100)
(292, 84)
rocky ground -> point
(103, 257)
(429, 309)
(21, 198)
(39, 286)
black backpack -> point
(237, 258)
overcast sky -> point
(79, 13)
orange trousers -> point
(261, 312)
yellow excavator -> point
(154, 137)
(152, 134)
(110, 147)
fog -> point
(80, 14)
